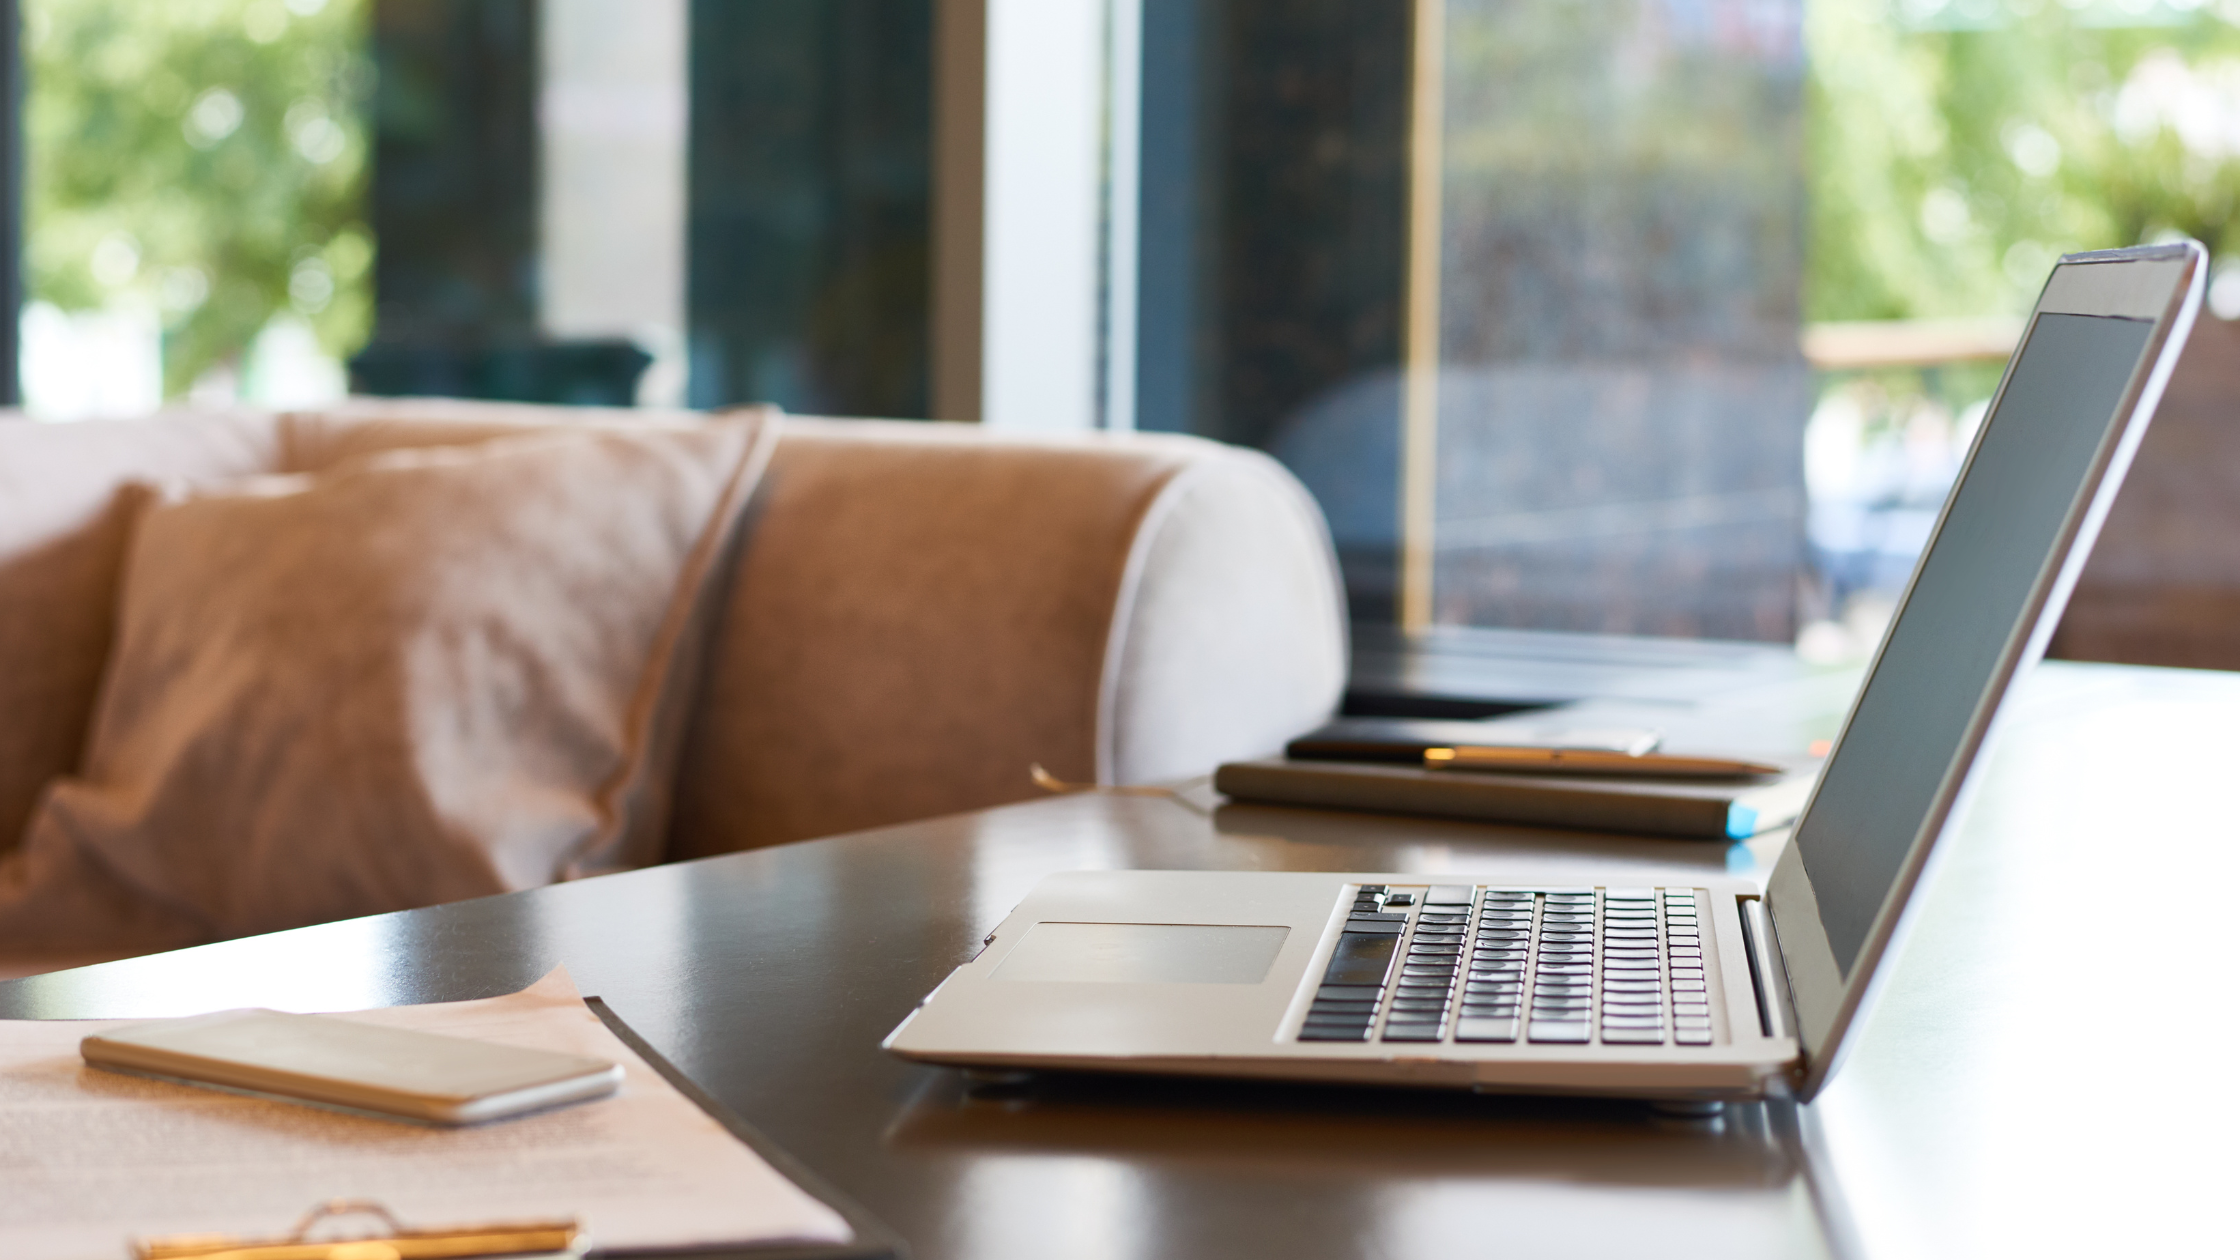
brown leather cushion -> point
(63, 531)
(419, 676)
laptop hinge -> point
(1776, 1012)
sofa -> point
(911, 614)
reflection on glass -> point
(1621, 394)
(1272, 220)
(809, 204)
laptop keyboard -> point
(1564, 966)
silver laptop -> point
(1700, 991)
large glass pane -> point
(1273, 222)
(810, 204)
(1620, 393)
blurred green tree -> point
(1957, 147)
(206, 158)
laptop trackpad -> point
(1144, 953)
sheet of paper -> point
(90, 1159)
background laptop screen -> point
(1973, 587)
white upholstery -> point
(1229, 627)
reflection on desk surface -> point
(1264, 1127)
(1141, 1163)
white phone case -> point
(343, 1063)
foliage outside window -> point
(1957, 148)
(1960, 146)
(204, 160)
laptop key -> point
(1633, 1036)
(1360, 959)
(1573, 1032)
(1692, 1036)
(1335, 1034)
(1469, 1029)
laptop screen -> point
(1973, 589)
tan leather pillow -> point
(416, 677)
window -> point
(194, 193)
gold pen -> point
(1520, 760)
(535, 1239)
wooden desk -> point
(2020, 1090)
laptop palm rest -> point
(1144, 953)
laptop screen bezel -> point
(2164, 283)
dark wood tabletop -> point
(2019, 1084)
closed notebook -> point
(1684, 809)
